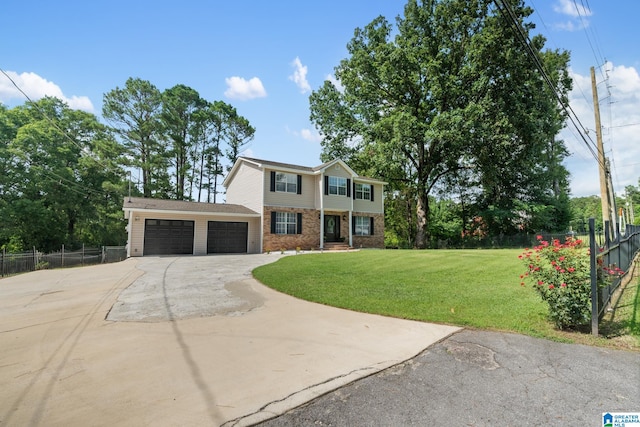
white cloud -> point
(37, 87)
(310, 135)
(571, 8)
(620, 119)
(239, 88)
(335, 82)
(299, 76)
(577, 15)
(306, 134)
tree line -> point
(448, 106)
(65, 174)
(453, 103)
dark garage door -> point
(168, 237)
(227, 237)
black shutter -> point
(371, 232)
(354, 190)
(326, 185)
(272, 184)
(348, 187)
(353, 225)
(299, 224)
(299, 184)
(372, 192)
(273, 223)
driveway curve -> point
(186, 341)
(174, 288)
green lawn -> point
(472, 288)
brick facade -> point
(310, 237)
(375, 241)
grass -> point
(472, 288)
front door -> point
(332, 228)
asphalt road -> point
(476, 378)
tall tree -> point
(425, 104)
(56, 175)
(240, 133)
(180, 105)
(133, 112)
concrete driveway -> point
(186, 341)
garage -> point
(227, 237)
(168, 237)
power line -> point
(508, 13)
(63, 133)
(548, 34)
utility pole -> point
(602, 164)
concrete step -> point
(336, 246)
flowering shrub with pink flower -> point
(560, 273)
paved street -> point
(476, 378)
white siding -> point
(305, 200)
(335, 202)
(200, 230)
(377, 206)
(244, 188)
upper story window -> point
(338, 186)
(363, 191)
(286, 182)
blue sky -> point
(264, 58)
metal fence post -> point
(35, 258)
(594, 277)
(4, 252)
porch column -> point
(321, 215)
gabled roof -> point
(162, 205)
(288, 167)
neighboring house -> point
(270, 206)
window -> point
(363, 191)
(286, 182)
(337, 186)
(286, 223)
(362, 226)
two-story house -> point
(270, 206)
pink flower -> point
(551, 287)
(564, 285)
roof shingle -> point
(142, 203)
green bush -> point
(561, 274)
